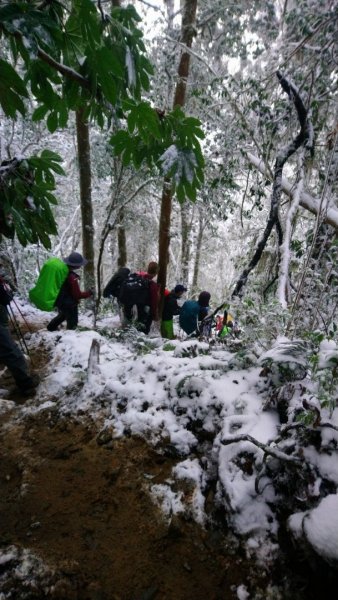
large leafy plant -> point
(72, 55)
(169, 141)
(26, 187)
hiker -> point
(218, 323)
(227, 325)
(113, 287)
(10, 354)
(70, 294)
(141, 291)
(171, 308)
(192, 312)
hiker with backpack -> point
(67, 301)
(10, 354)
(193, 312)
(113, 287)
(171, 308)
(227, 326)
(140, 290)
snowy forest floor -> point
(92, 531)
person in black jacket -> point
(10, 353)
(171, 308)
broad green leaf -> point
(39, 113)
(52, 121)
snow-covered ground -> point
(191, 399)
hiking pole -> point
(20, 313)
(17, 329)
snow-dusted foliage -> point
(259, 437)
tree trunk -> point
(121, 241)
(83, 148)
(187, 32)
(185, 237)
(199, 241)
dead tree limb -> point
(268, 450)
(303, 138)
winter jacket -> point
(170, 307)
(154, 295)
(70, 293)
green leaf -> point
(40, 113)
(9, 77)
(52, 121)
(180, 193)
(11, 90)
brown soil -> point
(85, 509)
(81, 504)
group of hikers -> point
(137, 295)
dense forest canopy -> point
(256, 210)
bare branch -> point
(305, 138)
(306, 200)
(266, 449)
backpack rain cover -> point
(52, 276)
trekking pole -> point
(23, 318)
(17, 329)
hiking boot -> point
(30, 388)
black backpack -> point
(135, 290)
(113, 286)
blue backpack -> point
(189, 316)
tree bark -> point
(199, 241)
(185, 241)
(121, 241)
(83, 148)
(187, 33)
(306, 200)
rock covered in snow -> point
(318, 528)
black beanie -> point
(203, 299)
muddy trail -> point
(84, 509)
(77, 521)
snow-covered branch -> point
(283, 283)
(266, 449)
(63, 69)
(303, 138)
(305, 200)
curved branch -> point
(265, 447)
(306, 200)
(304, 137)
(63, 69)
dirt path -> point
(85, 510)
(77, 521)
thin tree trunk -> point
(199, 241)
(121, 241)
(187, 32)
(83, 148)
(186, 244)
